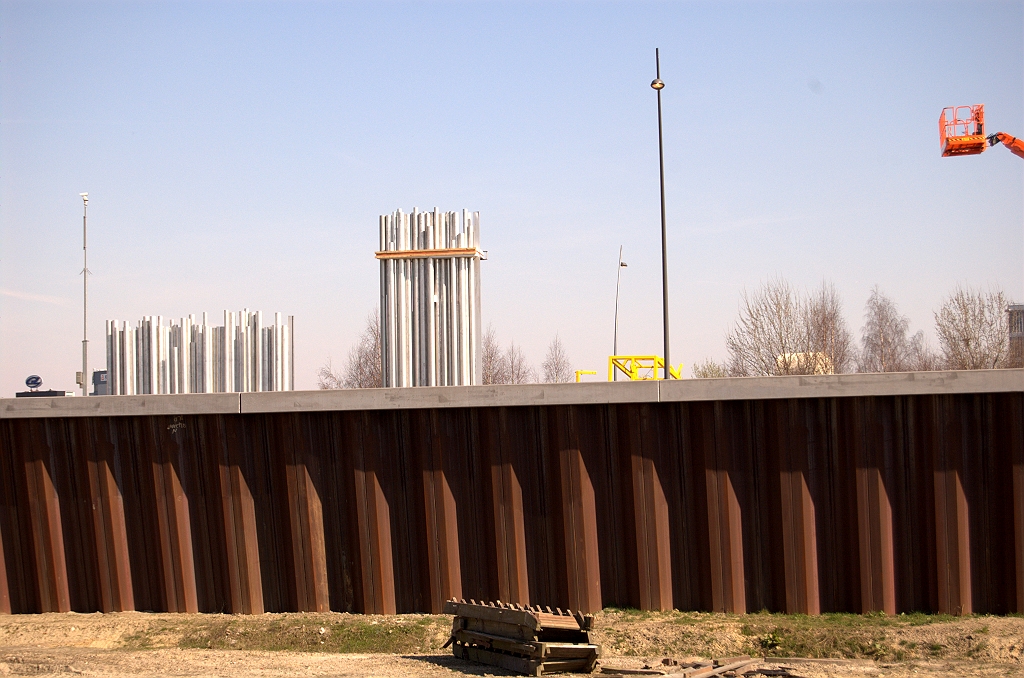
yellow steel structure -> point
(641, 367)
(580, 373)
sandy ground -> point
(94, 645)
(173, 662)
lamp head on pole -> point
(658, 84)
(85, 198)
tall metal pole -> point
(85, 297)
(615, 341)
(658, 85)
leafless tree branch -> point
(973, 329)
(556, 366)
(363, 367)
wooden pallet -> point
(530, 640)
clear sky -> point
(237, 154)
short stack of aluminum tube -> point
(193, 357)
(430, 298)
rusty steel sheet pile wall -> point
(729, 495)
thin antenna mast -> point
(85, 296)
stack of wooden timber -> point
(528, 640)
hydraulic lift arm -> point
(1015, 145)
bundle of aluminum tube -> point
(430, 298)
(193, 357)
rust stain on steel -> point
(892, 503)
(374, 526)
(1018, 517)
(650, 514)
(46, 529)
(1015, 433)
(441, 512)
(238, 509)
(113, 573)
(579, 524)
(301, 470)
(873, 470)
(175, 533)
(874, 531)
(952, 529)
(507, 503)
(799, 534)
(724, 517)
(952, 544)
(5, 595)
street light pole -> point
(658, 85)
(85, 297)
(615, 341)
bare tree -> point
(920, 356)
(769, 331)
(829, 339)
(557, 368)
(363, 367)
(884, 343)
(709, 369)
(973, 329)
(779, 332)
(508, 366)
(885, 346)
(517, 368)
(327, 378)
(494, 368)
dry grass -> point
(839, 636)
(623, 633)
(339, 633)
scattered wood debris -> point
(722, 666)
(530, 640)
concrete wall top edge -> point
(843, 385)
(451, 396)
(588, 393)
(119, 406)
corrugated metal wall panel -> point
(852, 504)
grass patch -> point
(874, 636)
(837, 636)
(400, 634)
(622, 632)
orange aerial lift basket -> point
(962, 130)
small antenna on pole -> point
(84, 380)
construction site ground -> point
(138, 643)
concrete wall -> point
(892, 492)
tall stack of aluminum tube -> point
(430, 298)
(193, 357)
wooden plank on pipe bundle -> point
(517, 614)
(570, 651)
(490, 641)
(511, 636)
(514, 631)
(567, 666)
(498, 614)
(554, 621)
(530, 667)
(535, 650)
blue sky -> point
(237, 154)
